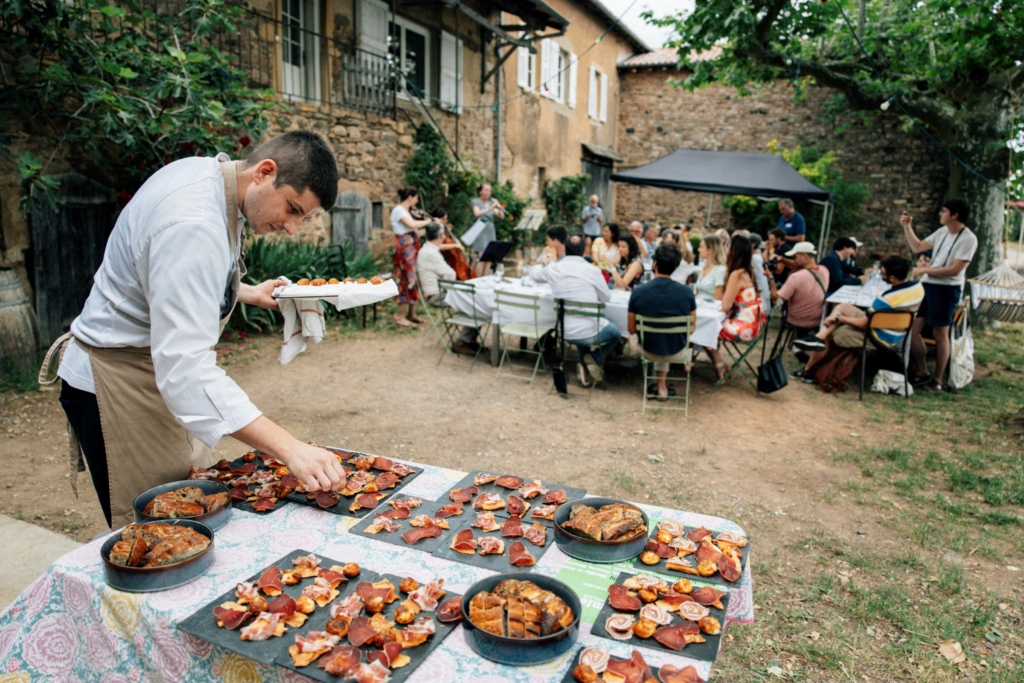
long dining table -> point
(69, 625)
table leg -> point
(495, 344)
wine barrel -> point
(18, 340)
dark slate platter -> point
(416, 654)
(707, 651)
(716, 580)
(427, 545)
(341, 507)
(245, 505)
(203, 624)
(568, 678)
(571, 493)
(497, 563)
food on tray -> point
(366, 501)
(307, 649)
(489, 545)
(512, 528)
(302, 282)
(507, 481)
(231, 615)
(350, 570)
(519, 556)
(670, 673)
(318, 282)
(463, 495)
(544, 512)
(408, 584)
(376, 280)
(536, 534)
(485, 521)
(644, 628)
(427, 595)
(678, 636)
(333, 281)
(534, 488)
(657, 618)
(711, 554)
(382, 523)
(395, 513)
(449, 510)
(620, 626)
(267, 625)
(406, 503)
(450, 610)
(413, 535)
(483, 478)
(621, 598)
(187, 501)
(516, 506)
(157, 545)
(464, 542)
(615, 522)
(555, 497)
(519, 609)
(427, 520)
(489, 501)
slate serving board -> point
(245, 505)
(567, 678)
(415, 654)
(428, 545)
(717, 579)
(203, 624)
(571, 492)
(341, 507)
(497, 563)
(707, 651)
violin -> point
(419, 214)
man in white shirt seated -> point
(575, 280)
(555, 247)
(431, 266)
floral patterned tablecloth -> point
(69, 626)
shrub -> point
(565, 198)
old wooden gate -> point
(351, 223)
(67, 249)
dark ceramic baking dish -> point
(214, 520)
(150, 579)
(597, 551)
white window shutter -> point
(531, 70)
(459, 62)
(572, 80)
(603, 116)
(523, 68)
(373, 26)
(592, 94)
(449, 70)
(545, 67)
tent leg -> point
(826, 227)
(711, 201)
(1020, 240)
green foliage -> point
(430, 168)
(124, 90)
(818, 166)
(565, 199)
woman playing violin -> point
(407, 229)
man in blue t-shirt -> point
(792, 223)
(843, 249)
(663, 297)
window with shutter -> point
(373, 26)
(523, 68)
(572, 81)
(592, 94)
(545, 67)
(451, 72)
(603, 116)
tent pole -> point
(826, 227)
(1020, 239)
(711, 201)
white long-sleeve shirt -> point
(430, 265)
(163, 284)
(574, 279)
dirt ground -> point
(751, 459)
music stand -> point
(495, 252)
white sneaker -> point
(581, 372)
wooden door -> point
(350, 224)
(67, 249)
(600, 184)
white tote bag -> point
(961, 353)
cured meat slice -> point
(544, 512)
(696, 535)
(203, 473)
(449, 510)
(359, 631)
(291, 481)
(485, 521)
(239, 481)
(272, 463)
(334, 578)
(367, 501)
(382, 523)
(620, 599)
(427, 595)
(361, 477)
(673, 674)
(395, 513)
(484, 478)
(270, 581)
(463, 495)
(661, 550)
(620, 626)
(555, 497)
(489, 501)
(534, 488)
(263, 505)
(464, 542)
(363, 462)
(284, 605)
(247, 468)
(240, 493)
(231, 618)
(413, 535)
(450, 610)
(536, 534)
(265, 626)
(378, 656)
(383, 464)
(348, 608)
(693, 611)
(507, 481)
(671, 526)
(407, 503)
(326, 499)
(683, 544)
(707, 595)
(519, 556)
(489, 545)
(516, 506)
(261, 477)
(387, 480)
(633, 670)
(707, 551)
(681, 564)
(512, 528)
(679, 636)
(340, 660)
(392, 650)
(732, 538)
(247, 591)
(659, 615)
(674, 599)
(596, 658)
(401, 469)
(374, 672)
(729, 566)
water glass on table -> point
(499, 270)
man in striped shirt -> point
(846, 325)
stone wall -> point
(902, 170)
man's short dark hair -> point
(778, 233)
(960, 207)
(304, 162)
(843, 243)
(667, 258)
(557, 233)
(434, 230)
(575, 245)
(897, 267)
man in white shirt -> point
(554, 246)
(431, 266)
(573, 279)
(142, 390)
(593, 218)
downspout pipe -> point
(497, 122)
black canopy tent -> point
(765, 176)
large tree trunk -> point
(979, 139)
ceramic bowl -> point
(214, 520)
(149, 579)
(597, 551)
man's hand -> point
(318, 469)
(261, 294)
(916, 273)
(906, 221)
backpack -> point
(832, 372)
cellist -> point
(451, 248)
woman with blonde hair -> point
(710, 285)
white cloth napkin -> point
(303, 319)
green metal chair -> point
(434, 316)
(681, 324)
(455, 319)
(740, 352)
(534, 330)
(584, 309)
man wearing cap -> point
(842, 249)
(805, 290)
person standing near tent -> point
(952, 246)
(792, 223)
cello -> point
(455, 256)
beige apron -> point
(145, 446)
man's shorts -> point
(940, 304)
(848, 337)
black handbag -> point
(558, 371)
(771, 375)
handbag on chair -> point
(771, 376)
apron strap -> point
(56, 349)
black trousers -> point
(84, 416)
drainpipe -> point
(497, 124)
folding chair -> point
(896, 321)
(534, 330)
(433, 317)
(740, 352)
(583, 309)
(454, 320)
(683, 324)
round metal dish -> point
(149, 579)
(597, 551)
(214, 520)
(519, 651)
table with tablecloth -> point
(860, 296)
(709, 315)
(70, 626)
